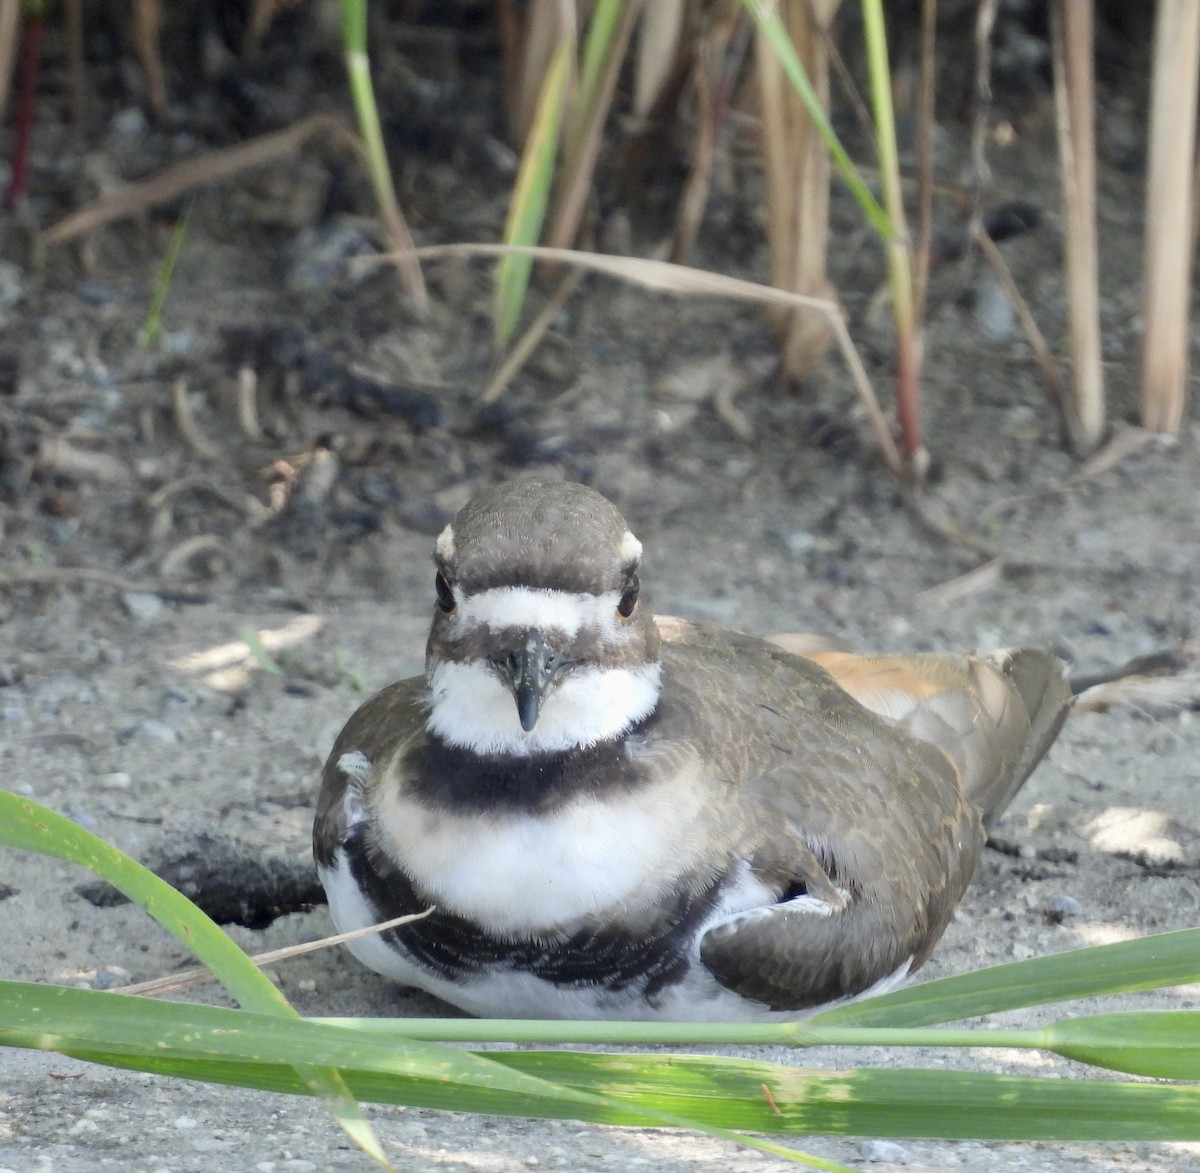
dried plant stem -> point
(75, 68)
(1075, 100)
(1042, 353)
(585, 131)
(519, 354)
(925, 181)
(147, 25)
(33, 34)
(797, 172)
(1168, 214)
(718, 54)
(899, 258)
(661, 275)
(358, 70)
(10, 19)
(209, 168)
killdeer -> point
(614, 815)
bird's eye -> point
(629, 598)
(445, 593)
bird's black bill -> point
(531, 667)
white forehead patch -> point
(445, 544)
(631, 548)
(563, 611)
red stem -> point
(31, 59)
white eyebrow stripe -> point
(564, 611)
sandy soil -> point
(131, 703)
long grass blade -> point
(532, 192)
(33, 827)
(714, 1093)
(772, 28)
(1166, 959)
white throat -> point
(470, 707)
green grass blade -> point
(244, 1049)
(717, 1094)
(33, 827)
(1164, 1044)
(531, 194)
(153, 329)
(597, 47)
(767, 18)
(1166, 959)
(958, 1105)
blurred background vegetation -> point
(651, 116)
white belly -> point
(502, 992)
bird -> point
(609, 814)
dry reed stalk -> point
(547, 23)
(718, 54)
(75, 66)
(797, 173)
(10, 20)
(584, 135)
(679, 279)
(146, 29)
(1168, 259)
(923, 248)
(1072, 23)
(261, 16)
(659, 39)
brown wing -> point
(389, 719)
(833, 794)
(994, 716)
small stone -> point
(117, 780)
(82, 1125)
(184, 1122)
(12, 287)
(879, 1151)
(143, 607)
(994, 310)
(129, 122)
(1058, 908)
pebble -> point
(117, 780)
(1063, 906)
(129, 122)
(994, 310)
(184, 1122)
(143, 607)
(11, 287)
(321, 254)
(878, 1151)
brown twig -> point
(1044, 356)
(147, 26)
(518, 356)
(189, 978)
(923, 248)
(185, 421)
(213, 167)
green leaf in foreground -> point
(29, 825)
(1166, 959)
(722, 1094)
